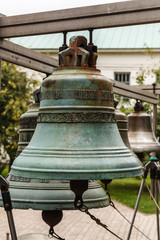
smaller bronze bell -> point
(122, 124)
(27, 124)
(141, 136)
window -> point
(123, 77)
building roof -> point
(130, 37)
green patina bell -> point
(76, 137)
(42, 194)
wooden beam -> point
(15, 48)
(25, 62)
(83, 18)
(27, 58)
(149, 88)
(134, 92)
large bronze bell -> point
(76, 137)
(141, 136)
(41, 194)
(122, 124)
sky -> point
(18, 7)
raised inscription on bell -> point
(44, 181)
(51, 95)
(86, 94)
(77, 94)
(108, 96)
(19, 179)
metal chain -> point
(98, 221)
(52, 234)
(113, 205)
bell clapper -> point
(78, 187)
(106, 182)
(52, 218)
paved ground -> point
(76, 225)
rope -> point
(113, 205)
(85, 210)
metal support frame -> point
(0, 73)
(153, 167)
(82, 18)
(8, 206)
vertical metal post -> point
(1, 15)
(11, 225)
(8, 206)
(136, 207)
(90, 36)
(154, 123)
(64, 39)
(157, 210)
(7, 236)
(0, 72)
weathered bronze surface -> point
(44, 193)
(122, 124)
(27, 124)
(81, 140)
(33, 236)
(141, 136)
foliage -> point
(4, 170)
(16, 91)
(126, 192)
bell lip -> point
(68, 174)
(29, 235)
(56, 195)
(128, 164)
(57, 204)
(145, 149)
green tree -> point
(15, 97)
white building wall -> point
(133, 62)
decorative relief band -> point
(31, 121)
(19, 179)
(28, 180)
(76, 117)
(77, 94)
